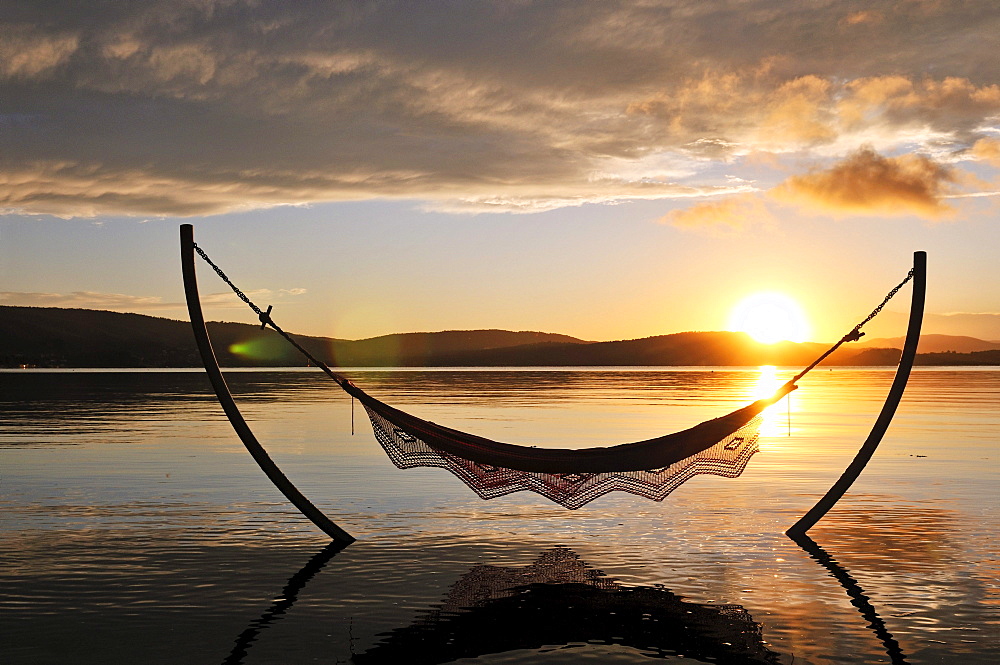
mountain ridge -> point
(935, 343)
(58, 337)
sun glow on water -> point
(770, 317)
(774, 419)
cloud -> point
(26, 52)
(65, 188)
(120, 302)
(86, 300)
(869, 183)
(950, 104)
(196, 107)
(762, 108)
(724, 216)
(987, 150)
(593, 190)
(759, 107)
(863, 16)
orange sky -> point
(600, 169)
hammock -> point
(570, 477)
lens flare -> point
(263, 349)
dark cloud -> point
(202, 106)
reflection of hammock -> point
(651, 468)
(560, 600)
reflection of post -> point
(852, 472)
(857, 595)
(253, 446)
(284, 602)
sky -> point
(607, 170)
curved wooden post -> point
(256, 450)
(852, 472)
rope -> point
(265, 320)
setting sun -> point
(770, 317)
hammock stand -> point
(410, 441)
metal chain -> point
(226, 279)
(855, 333)
(878, 309)
(265, 319)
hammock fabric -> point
(570, 477)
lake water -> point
(136, 529)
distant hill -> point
(687, 348)
(423, 348)
(934, 344)
(950, 358)
(54, 337)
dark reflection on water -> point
(283, 603)
(52, 393)
(857, 596)
(559, 600)
(44, 404)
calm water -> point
(136, 529)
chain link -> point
(878, 309)
(226, 279)
(855, 333)
(265, 319)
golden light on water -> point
(767, 382)
(774, 419)
(770, 317)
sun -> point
(770, 317)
